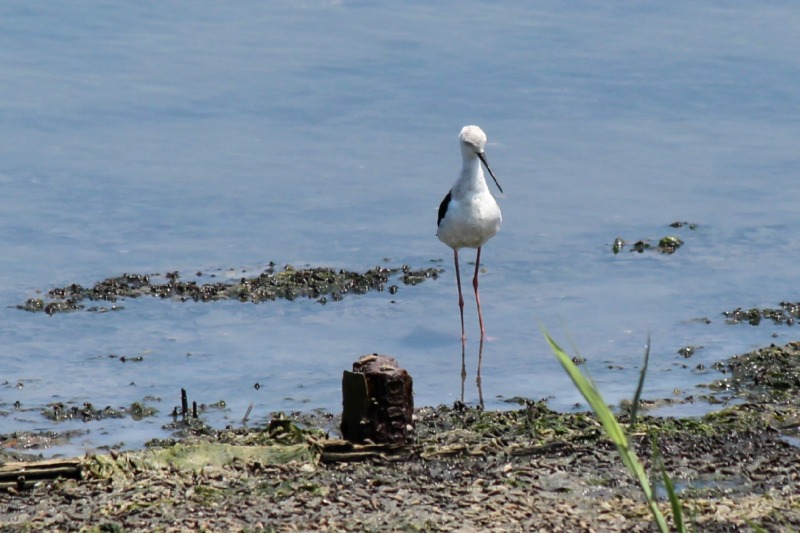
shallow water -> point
(142, 138)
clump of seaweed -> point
(319, 283)
(787, 314)
(770, 374)
(666, 245)
(59, 412)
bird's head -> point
(472, 139)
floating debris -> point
(787, 315)
(320, 283)
(666, 245)
(59, 412)
(688, 351)
(690, 225)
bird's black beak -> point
(482, 157)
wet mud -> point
(528, 468)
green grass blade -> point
(612, 429)
(638, 395)
(674, 501)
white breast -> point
(471, 222)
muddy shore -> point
(524, 469)
(528, 469)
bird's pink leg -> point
(460, 297)
(478, 378)
(463, 335)
(478, 298)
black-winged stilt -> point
(469, 215)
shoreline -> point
(466, 469)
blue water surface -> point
(215, 138)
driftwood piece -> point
(334, 451)
(23, 475)
(378, 401)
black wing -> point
(443, 208)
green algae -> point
(666, 245)
(59, 412)
(766, 375)
(322, 284)
(787, 313)
(195, 456)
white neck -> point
(472, 179)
